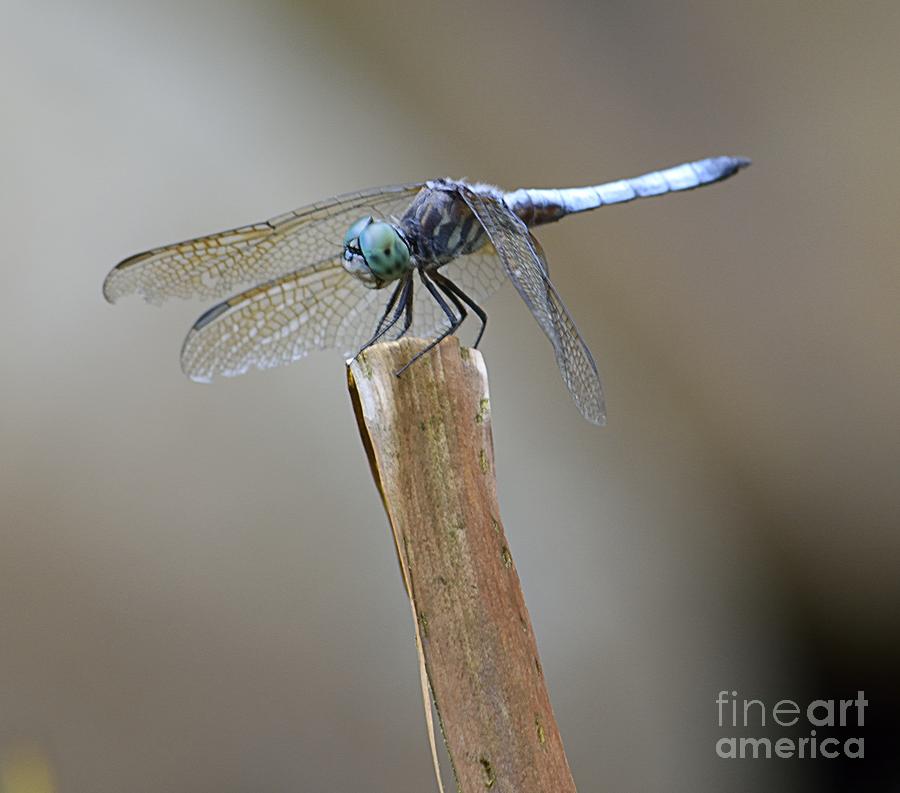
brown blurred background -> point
(198, 590)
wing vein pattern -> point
(318, 307)
(526, 267)
(216, 265)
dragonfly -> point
(342, 273)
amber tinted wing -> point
(218, 264)
(316, 308)
(524, 263)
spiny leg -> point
(403, 306)
(448, 286)
(408, 319)
(404, 290)
(387, 309)
(455, 322)
(453, 299)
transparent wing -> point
(526, 267)
(319, 307)
(316, 308)
(479, 275)
(219, 264)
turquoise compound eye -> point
(356, 229)
(384, 250)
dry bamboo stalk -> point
(428, 437)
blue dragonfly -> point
(341, 274)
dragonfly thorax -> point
(375, 252)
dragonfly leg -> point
(453, 299)
(408, 319)
(455, 321)
(404, 292)
(448, 286)
(387, 309)
(404, 307)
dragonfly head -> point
(375, 252)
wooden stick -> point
(428, 438)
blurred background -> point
(198, 589)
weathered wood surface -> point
(428, 437)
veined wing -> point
(318, 307)
(218, 264)
(524, 263)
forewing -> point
(316, 308)
(218, 264)
(524, 263)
